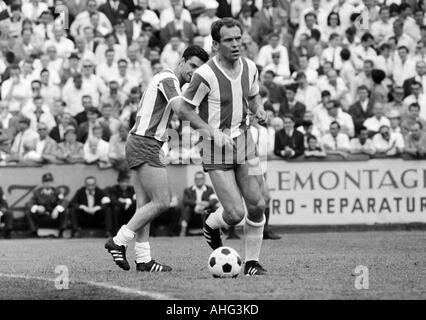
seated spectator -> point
(24, 141)
(70, 151)
(47, 208)
(96, 150)
(289, 143)
(85, 130)
(108, 118)
(335, 142)
(117, 145)
(387, 143)
(115, 98)
(196, 199)
(335, 113)
(90, 208)
(418, 96)
(309, 95)
(374, 123)
(277, 93)
(6, 216)
(410, 118)
(362, 144)
(395, 121)
(314, 149)
(398, 101)
(415, 142)
(291, 105)
(64, 121)
(362, 109)
(45, 149)
(87, 103)
(167, 223)
(123, 201)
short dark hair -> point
(195, 51)
(90, 177)
(329, 17)
(363, 128)
(367, 36)
(227, 22)
(335, 122)
(289, 116)
(419, 123)
(345, 54)
(414, 105)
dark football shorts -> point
(243, 152)
(141, 150)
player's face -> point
(229, 46)
(189, 66)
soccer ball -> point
(224, 262)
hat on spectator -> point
(196, 8)
(47, 177)
(392, 114)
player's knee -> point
(255, 211)
(162, 205)
(234, 215)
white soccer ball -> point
(224, 262)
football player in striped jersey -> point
(146, 160)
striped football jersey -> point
(154, 111)
(222, 101)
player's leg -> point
(151, 188)
(255, 220)
(267, 233)
(232, 210)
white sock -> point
(215, 220)
(142, 252)
(253, 232)
(124, 236)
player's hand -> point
(223, 140)
(261, 116)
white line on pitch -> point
(147, 294)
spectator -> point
(45, 148)
(290, 105)
(108, 70)
(114, 10)
(196, 199)
(47, 208)
(410, 118)
(172, 52)
(265, 57)
(179, 26)
(116, 151)
(335, 142)
(362, 144)
(395, 121)
(90, 208)
(397, 103)
(85, 130)
(108, 120)
(40, 113)
(314, 149)
(72, 94)
(420, 77)
(24, 141)
(309, 95)
(386, 142)
(404, 67)
(58, 132)
(6, 216)
(418, 96)
(362, 109)
(289, 143)
(123, 201)
(377, 120)
(335, 113)
(415, 142)
(96, 150)
(277, 93)
(86, 102)
(70, 150)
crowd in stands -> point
(349, 75)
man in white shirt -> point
(335, 142)
(41, 113)
(332, 53)
(386, 142)
(319, 11)
(265, 53)
(108, 71)
(382, 28)
(92, 84)
(374, 123)
(335, 114)
(14, 89)
(172, 52)
(83, 19)
(337, 88)
(362, 144)
(309, 95)
(143, 14)
(24, 141)
(364, 51)
(404, 66)
(72, 94)
(168, 15)
(33, 9)
(63, 45)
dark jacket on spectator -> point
(296, 142)
(115, 192)
(49, 198)
(276, 93)
(297, 110)
(190, 196)
(113, 15)
(80, 198)
(358, 115)
(83, 132)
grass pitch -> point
(300, 265)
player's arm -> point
(185, 111)
(256, 108)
